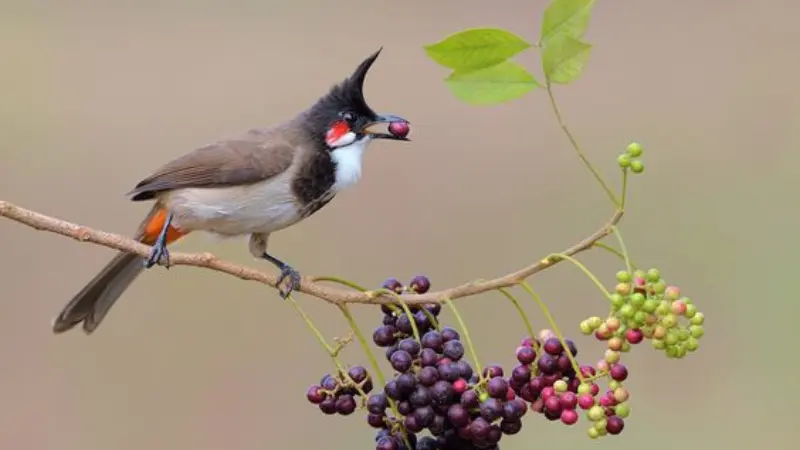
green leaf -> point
(476, 48)
(499, 83)
(570, 17)
(564, 58)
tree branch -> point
(308, 286)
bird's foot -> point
(293, 278)
(158, 253)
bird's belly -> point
(258, 208)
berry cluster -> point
(630, 158)
(435, 391)
(643, 306)
(336, 394)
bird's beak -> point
(385, 120)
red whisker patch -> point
(336, 131)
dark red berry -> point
(569, 400)
(634, 335)
(377, 403)
(618, 372)
(315, 395)
(569, 416)
(553, 346)
(384, 336)
(399, 129)
(420, 283)
(453, 350)
(394, 285)
(547, 364)
(553, 404)
(376, 420)
(470, 399)
(328, 406)
(614, 425)
(386, 443)
(479, 428)
(458, 415)
(449, 334)
(401, 360)
(428, 376)
(493, 371)
(497, 387)
(510, 427)
(428, 357)
(345, 405)
(409, 345)
(526, 355)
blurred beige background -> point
(95, 95)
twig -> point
(330, 294)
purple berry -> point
(553, 346)
(345, 405)
(384, 336)
(420, 283)
(453, 349)
(401, 361)
(497, 388)
(315, 395)
(450, 334)
(458, 415)
(428, 376)
(393, 285)
(432, 340)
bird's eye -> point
(349, 117)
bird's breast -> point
(261, 207)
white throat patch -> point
(348, 163)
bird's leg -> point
(159, 250)
(286, 272)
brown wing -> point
(224, 163)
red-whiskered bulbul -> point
(254, 184)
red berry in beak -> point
(399, 129)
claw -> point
(287, 272)
(294, 281)
(158, 253)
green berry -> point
(639, 319)
(624, 161)
(671, 351)
(623, 276)
(692, 344)
(593, 433)
(683, 334)
(659, 287)
(634, 149)
(691, 310)
(627, 311)
(586, 327)
(650, 305)
(626, 347)
(637, 300)
(622, 410)
(584, 388)
(595, 322)
(601, 424)
(560, 386)
(696, 331)
(658, 344)
(680, 351)
(637, 166)
(483, 396)
(671, 338)
(698, 319)
(653, 275)
(614, 385)
(687, 300)
(596, 413)
(617, 300)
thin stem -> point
(524, 316)
(467, 339)
(585, 270)
(403, 305)
(432, 319)
(333, 352)
(577, 147)
(320, 337)
(624, 250)
(341, 281)
(615, 252)
(370, 355)
(556, 330)
(361, 340)
(624, 188)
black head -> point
(343, 116)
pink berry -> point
(528, 342)
(595, 390)
(510, 395)
(678, 307)
(588, 371)
(606, 401)
(460, 386)
(400, 129)
(585, 401)
(569, 416)
(634, 335)
(569, 400)
(548, 392)
(618, 372)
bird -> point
(254, 183)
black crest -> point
(347, 95)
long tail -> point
(93, 302)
